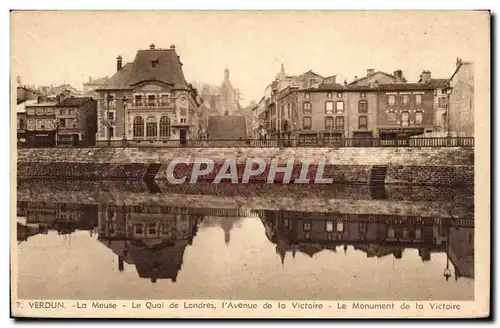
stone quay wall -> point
(407, 166)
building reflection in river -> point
(154, 238)
(376, 235)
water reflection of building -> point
(226, 223)
(376, 235)
(65, 218)
(153, 238)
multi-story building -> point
(22, 121)
(404, 109)
(461, 108)
(148, 101)
(63, 121)
(76, 121)
(40, 128)
(440, 98)
(24, 93)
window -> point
(111, 116)
(328, 123)
(307, 225)
(391, 117)
(362, 122)
(110, 100)
(152, 228)
(406, 99)
(418, 100)
(362, 95)
(362, 106)
(340, 226)
(164, 126)
(138, 229)
(339, 106)
(138, 100)
(391, 100)
(339, 95)
(151, 100)
(71, 111)
(308, 96)
(183, 120)
(418, 117)
(363, 227)
(40, 124)
(30, 111)
(40, 111)
(329, 226)
(329, 95)
(49, 124)
(307, 108)
(151, 127)
(329, 107)
(22, 124)
(404, 118)
(282, 112)
(138, 126)
(62, 123)
(441, 102)
(289, 110)
(312, 81)
(306, 123)
(31, 124)
(339, 123)
(183, 111)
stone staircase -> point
(378, 174)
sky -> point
(69, 46)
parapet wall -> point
(412, 166)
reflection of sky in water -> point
(79, 266)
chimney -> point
(355, 77)
(152, 46)
(172, 46)
(90, 78)
(459, 62)
(398, 74)
(118, 63)
(345, 82)
(370, 71)
(425, 77)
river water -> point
(132, 240)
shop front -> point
(398, 136)
(39, 139)
(68, 139)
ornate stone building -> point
(148, 101)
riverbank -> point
(449, 166)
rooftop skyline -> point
(68, 47)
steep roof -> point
(168, 68)
(406, 86)
(119, 80)
(153, 64)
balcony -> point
(151, 104)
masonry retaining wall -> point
(408, 166)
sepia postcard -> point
(250, 164)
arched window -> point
(138, 126)
(151, 127)
(164, 126)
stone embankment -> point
(453, 166)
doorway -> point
(183, 136)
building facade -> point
(69, 121)
(90, 87)
(148, 101)
(404, 110)
(461, 107)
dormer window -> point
(154, 63)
